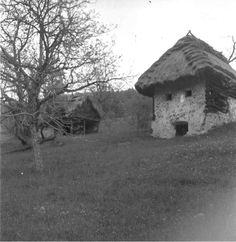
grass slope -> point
(123, 187)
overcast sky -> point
(147, 28)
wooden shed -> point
(82, 115)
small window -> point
(168, 96)
(188, 93)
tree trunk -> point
(36, 150)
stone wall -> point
(188, 109)
(217, 119)
(180, 108)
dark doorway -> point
(181, 128)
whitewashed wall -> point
(180, 108)
(189, 109)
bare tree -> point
(232, 56)
(48, 47)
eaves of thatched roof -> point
(189, 57)
(84, 107)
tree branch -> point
(231, 57)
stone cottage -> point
(193, 89)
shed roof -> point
(84, 107)
(187, 58)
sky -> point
(145, 29)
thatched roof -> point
(188, 58)
(84, 107)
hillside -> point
(122, 187)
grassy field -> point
(122, 187)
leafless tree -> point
(47, 47)
(232, 56)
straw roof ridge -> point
(191, 46)
(187, 57)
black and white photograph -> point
(118, 120)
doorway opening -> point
(181, 128)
